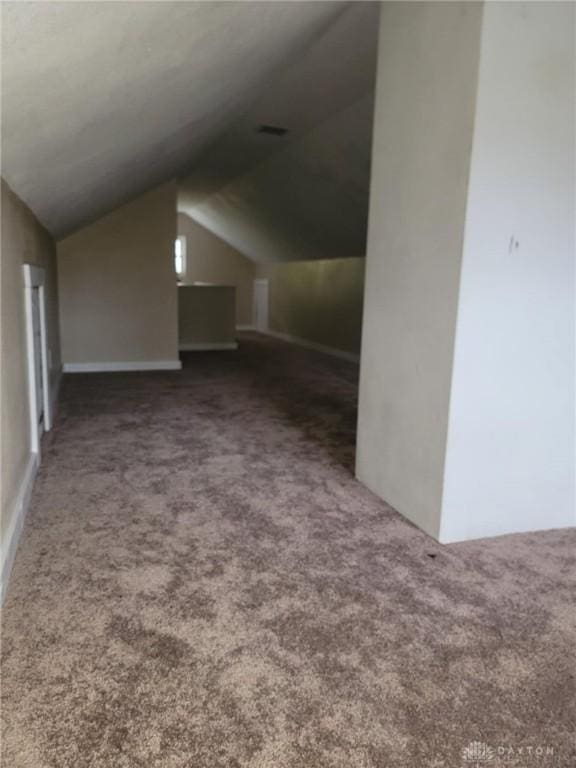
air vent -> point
(272, 130)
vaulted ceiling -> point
(103, 100)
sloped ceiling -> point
(103, 100)
(304, 195)
(307, 201)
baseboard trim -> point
(155, 365)
(349, 356)
(208, 346)
(19, 508)
(246, 328)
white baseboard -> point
(207, 346)
(349, 356)
(246, 328)
(18, 510)
(154, 365)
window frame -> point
(182, 240)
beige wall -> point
(211, 260)
(24, 240)
(319, 301)
(118, 299)
(425, 99)
(206, 314)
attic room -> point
(288, 389)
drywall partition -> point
(118, 298)
(211, 260)
(424, 115)
(467, 392)
(317, 301)
(510, 462)
(24, 240)
(207, 317)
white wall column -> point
(510, 460)
(424, 118)
(466, 418)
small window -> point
(180, 256)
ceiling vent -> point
(272, 130)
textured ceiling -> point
(304, 195)
(308, 201)
(102, 100)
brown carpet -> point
(202, 583)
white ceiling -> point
(305, 195)
(103, 100)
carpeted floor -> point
(203, 584)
